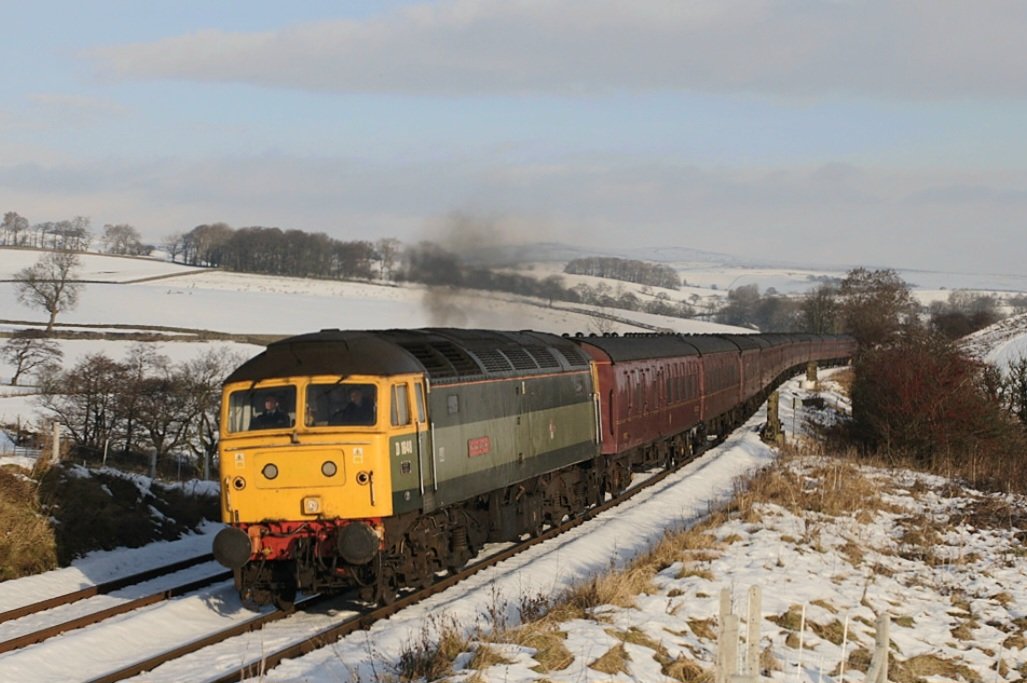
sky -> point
(830, 132)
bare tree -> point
(27, 351)
(50, 284)
(387, 250)
(875, 306)
(15, 228)
(85, 399)
(820, 310)
(205, 375)
(122, 239)
(162, 409)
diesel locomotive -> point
(376, 459)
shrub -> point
(923, 398)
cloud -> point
(833, 214)
(895, 49)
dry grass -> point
(831, 632)
(614, 661)
(1015, 641)
(993, 512)
(703, 628)
(965, 629)
(681, 668)
(622, 587)
(917, 668)
(859, 660)
(431, 654)
(686, 670)
(921, 535)
(844, 378)
(27, 541)
(544, 638)
(618, 588)
(852, 552)
(485, 656)
(790, 620)
(836, 488)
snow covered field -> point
(967, 606)
(239, 303)
(925, 552)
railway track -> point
(96, 617)
(102, 588)
(361, 620)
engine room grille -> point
(543, 357)
(520, 358)
(574, 358)
(461, 362)
(493, 360)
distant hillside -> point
(547, 252)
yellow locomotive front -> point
(305, 471)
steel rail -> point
(102, 588)
(101, 615)
(257, 667)
(254, 624)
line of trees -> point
(145, 406)
(70, 235)
(875, 306)
(628, 270)
(274, 251)
(73, 234)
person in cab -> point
(272, 418)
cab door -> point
(426, 467)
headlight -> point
(329, 468)
(270, 471)
(312, 505)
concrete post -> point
(752, 636)
(878, 671)
(55, 443)
(811, 371)
(772, 432)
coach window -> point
(400, 405)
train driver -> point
(272, 417)
(358, 411)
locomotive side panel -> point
(491, 434)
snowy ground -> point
(969, 604)
(954, 585)
(1003, 343)
(253, 304)
(614, 537)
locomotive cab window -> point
(419, 393)
(342, 404)
(267, 408)
(400, 405)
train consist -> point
(377, 459)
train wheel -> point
(284, 597)
(388, 589)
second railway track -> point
(355, 620)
